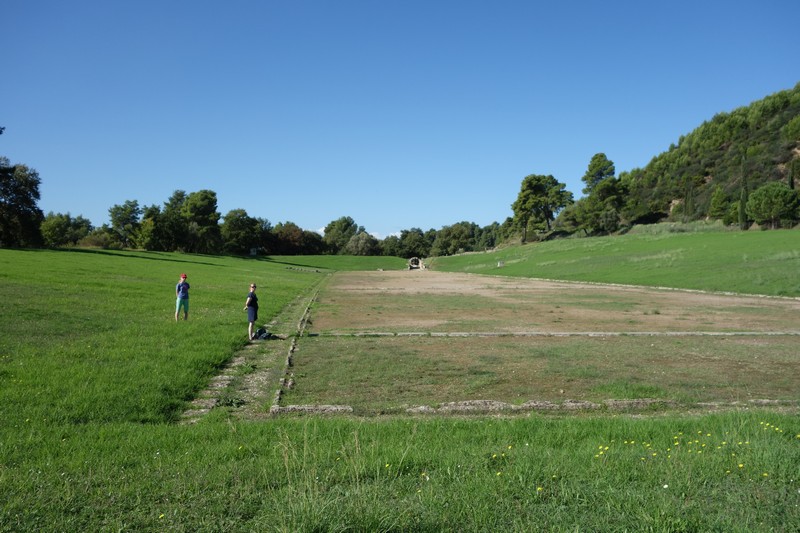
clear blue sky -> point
(399, 114)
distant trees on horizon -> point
(740, 167)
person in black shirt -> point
(251, 306)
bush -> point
(100, 239)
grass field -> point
(95, 373)
(753, 262)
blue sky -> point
(398, 114)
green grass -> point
(91, 337)
(379, 375)
(730, 472)
(94, 372)
(754, 262)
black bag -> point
(261, 333)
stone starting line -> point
(562, 334)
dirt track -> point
(427, 301)
(418, 304)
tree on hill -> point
(287, 238)
(173, 226)
(63, 230)
(125, 222)
(744, 194)
(413, 243)
(719, 204)
(240, 232)
(20, 216)
(766, 133)
(772, 203)
(540, 199)
(600, 168)
(390, 246)
(200, 212)
(339, 232)
(362, 244)
(455, 239)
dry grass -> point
(438, 302)
(388, 341)
(388, 374)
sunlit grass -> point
(754, 262)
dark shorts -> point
(252, 314)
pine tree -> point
(719, 204)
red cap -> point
(183, 276)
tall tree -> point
(151, 229)
(390, 246)
(744, 223)
(312, 243)
(200, 212)
(20, 216)
(240, 232)
(413, 243)
(339, 232)
(288, 238)
(600, 168)
(540, 199)
(125, 222)
(599, 212)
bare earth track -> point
(454, 320)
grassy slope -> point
(93, 368)
(745, 262)
(94, 332)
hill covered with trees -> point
(710, 173)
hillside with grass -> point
(682, 256)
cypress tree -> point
(743, 195)
(743, 204)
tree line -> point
(740, 168)
(710, 173)
(192, 223)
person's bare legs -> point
(250, 331)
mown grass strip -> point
(754, 262)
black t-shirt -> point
(253, 299)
